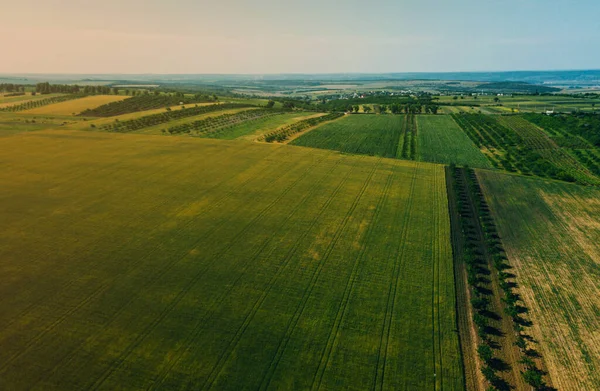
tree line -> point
(166, 116)
(145, 102)
(468, 194)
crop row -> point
(42, 102)
(224, 121)
(141, 103)
(590, 158)
(284, 133)
(483, 244)
(14, 94)
(168, 115)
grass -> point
(75, 106)
(551, 233)
(144, 262)
(441, 140)
(376, 135)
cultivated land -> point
(150, 262)
(17, 100)
(76, 106)
(255, 129)
(360, 134)
(442, 141)
(145, 258)
(551, 233)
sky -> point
(309, 36)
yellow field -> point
(17, 100)
(551, 232)
(140, 262)
(76, 106)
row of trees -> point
(166, 116)
(395, 109)
(10, 87)
(216, 124)
(470, 193)
(40, 102)
(144, 102)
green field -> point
(361, 134)
(148, 262)
(551, 233)
(441, 140)
(252, 130)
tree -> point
(382, 109)
(496, 99)
(485, 353)
(270, 104)
(529, 364)
(479, 303)
(489, 374)
(367, 109)
(480, 321)
(521, 343)
(356, 108)
(533, 378)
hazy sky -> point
(270, 36)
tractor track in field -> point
(197, 329)
(99, 196)
(148, 329)
(314, 278)
(341, 313)
(106, 285)
(435, 292)
(159, 274)
(389, 313)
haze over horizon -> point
(266, 36)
